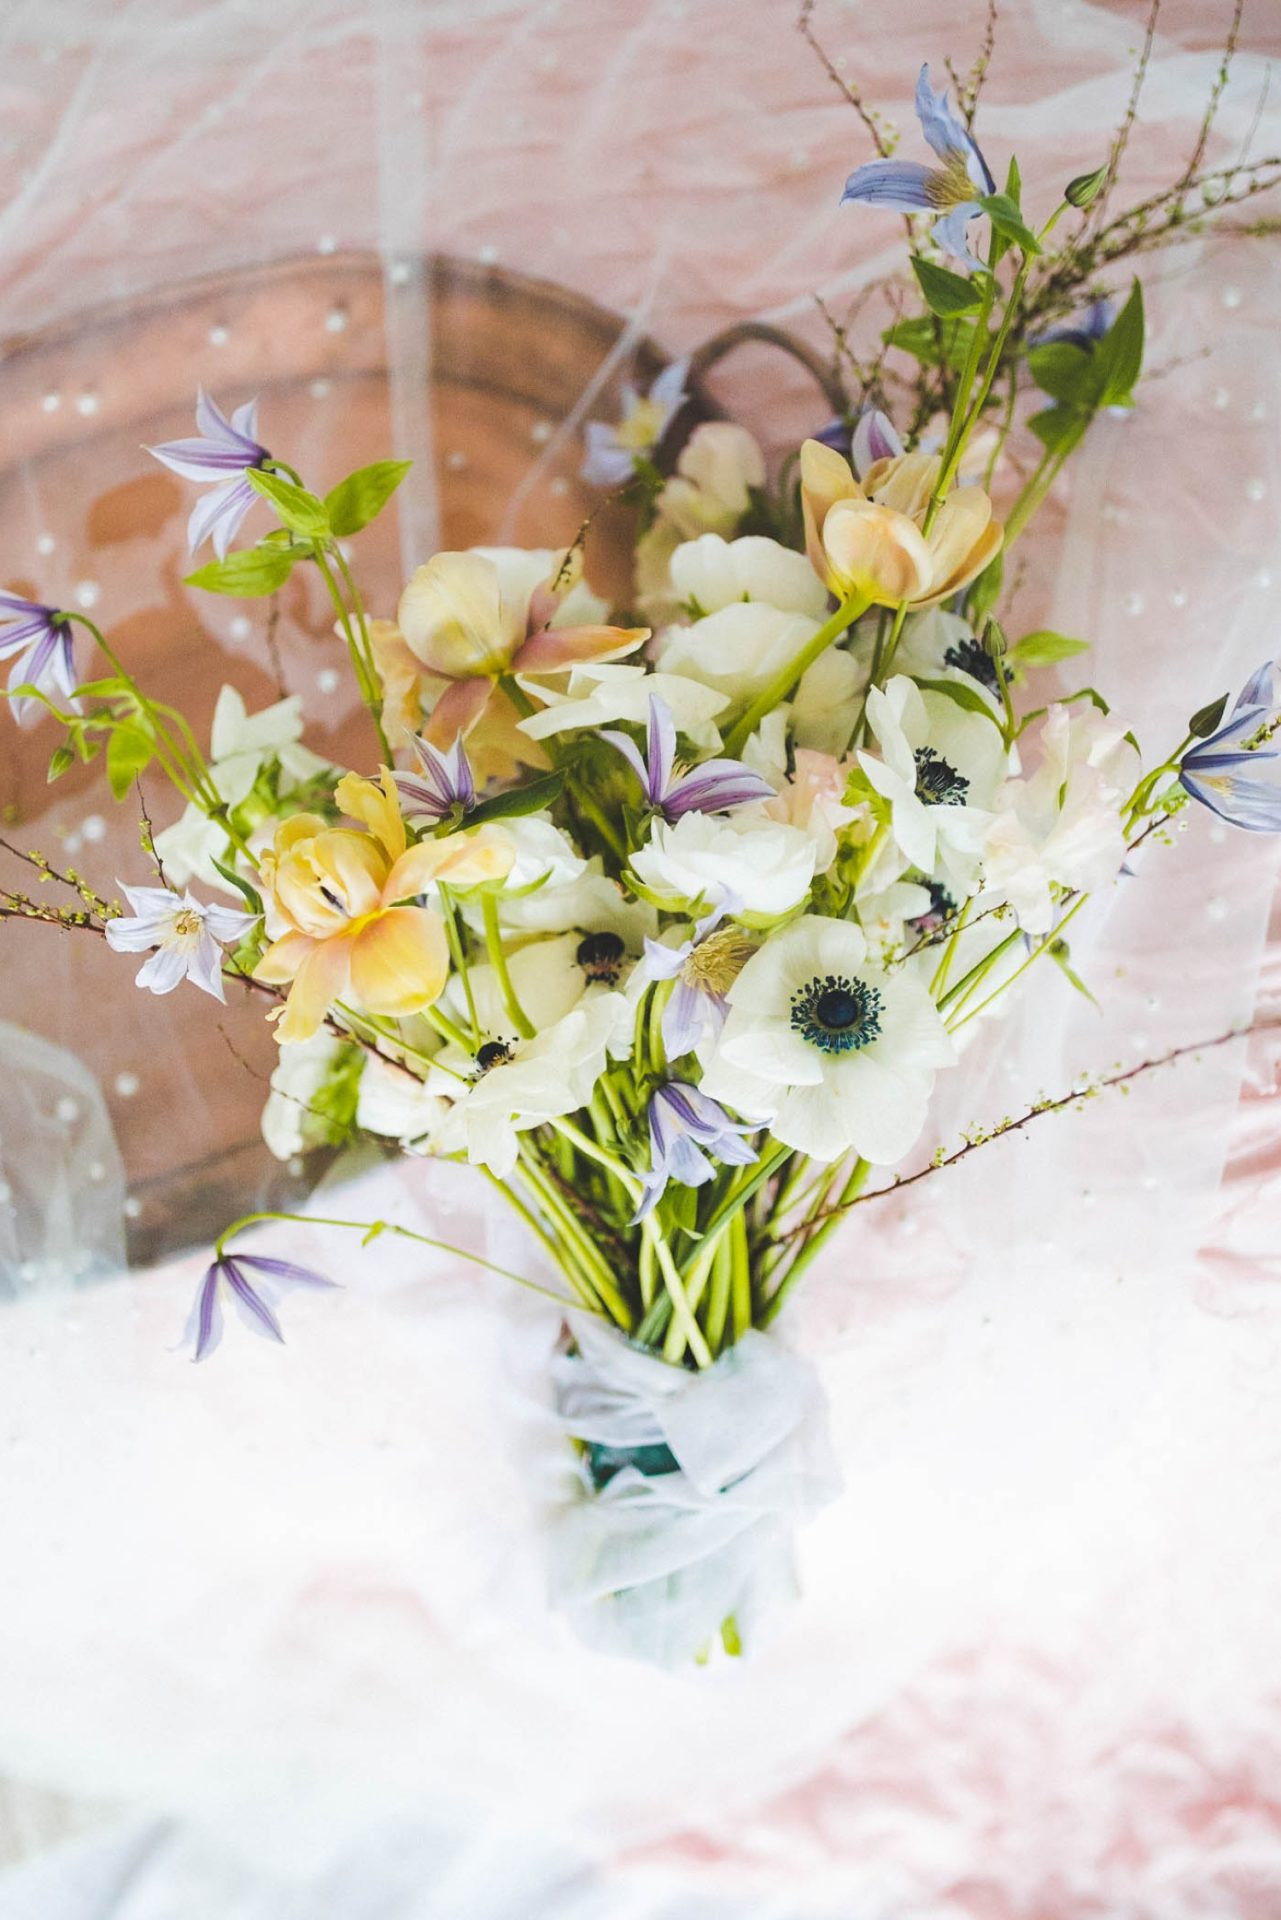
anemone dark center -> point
(837, 1013)
(942, 906)
(600, 956)
(968, 656)
(938, 784)
(494, 1053)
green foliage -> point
(935, 343)
(299, 510)
(946, 294)
(331, 1115)
(1205, 720)
(1085, 189)
(985, 591)
(963, 696)
(129, 752)
(518, 801)
(1006, 220)
(248, 575)
(251, 896)
(1061, 954)
(1082, 379)
(1044, 647)
(361, 497)
(59, 760)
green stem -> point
(783, 683)
(1018, 973)
(498, 960)
(813, 1246)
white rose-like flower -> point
(738, 650)
(711, 573)
(1062, 826)
(835, 1055)
(710, 491)
(761, 867)
(395, 1103)
(603, 693)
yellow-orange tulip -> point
(342, 893)
(870, 539)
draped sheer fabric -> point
(296, 1600)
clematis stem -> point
(783, 683)
(939, 981)
(1018, 973)
(458, 953)
(366, 674)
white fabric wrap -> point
(651, 1563)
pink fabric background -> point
(1077, 1506)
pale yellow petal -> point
(455, 619)
(282, 959)
(825, 479)
(904, 482)
(376, 806)
(322, 979)
(875, 552)
(399, 962)
(460, 860)
(962, 540)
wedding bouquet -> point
(665, 918)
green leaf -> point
(1044, 647)
(985, 591)
(59, 760)
(299, 510)
(1206, 719)
(1065, 371)
(103, 689)
(1008, 222)
(933, 342)
(964, 696)
(1085, 189)
(518, 801)
(945, 293)
(256, 571)
(128, 752)
(252, 899)
(362, 496)
(1059, 428)
(1119, 355)
(1014, 183)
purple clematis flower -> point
(254, 1299)
(685, 1125)
(226, 451)
(444, 780)
(612, 452)
(713, 787)
(1212, 771)
(874, 439)
(1085, 332)
(704, 968)
(38, 640)
(187, 937)
(953, 190)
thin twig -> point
(1216, 94)
(848, 91)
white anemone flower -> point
(837, 1056)
(602, 693)
(1062, 826)
(809, 794)
(937, 645)
(760, 868)
(939, 767)
(533, 1081)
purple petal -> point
(245, 422)
(688, 1164)
(16, 604)
(14, 638)
(1257, 691)
(903, 186)
(874, 439)
(663, 962)
(199, 460)
(606, 463)
(420, 796)
(216, 427)
(948, 134)
(662, 747)
(683, 1020)
(1246, 803)
(669, 388)
(285, 1271)
(950, 232)
(253, 1309)
(632, 754)
(715, 787)
(204, 1324)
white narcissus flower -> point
(602, 694)
(1062, 826)
(760, 868)
(536, 1080)
(837, 1056)
(937, 645)
(939, 767)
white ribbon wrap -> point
(650, 1563)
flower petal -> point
(400, 961)
(456, 712)
(557, 647)
(901, 186)
(322, 977)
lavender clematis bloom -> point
(254, 1298)
(874, 439)
(187, 938)
(38, 639)
(444, 780)
(612, 452)
(1212, 772)
(685, 1126)
(713, 787)
(225, 452)
(696, 1006)
(953, 190)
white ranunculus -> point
(738, 650)
(711, 573)
(551, 1075)
(602, 693)
(299, 1074)
(711, 490)
(762, 867)
(1062, 825)
(939, 767)
(837, 1056)
(591, 903)
(395, 1103)
(544, 855)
